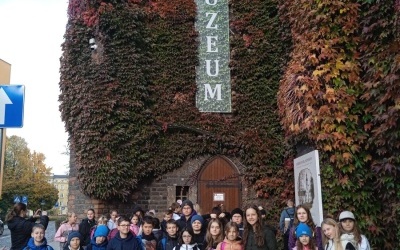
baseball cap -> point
(346, 215)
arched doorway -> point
(218, 183)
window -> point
(61, 195)
(182, 192)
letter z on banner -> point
(213, 76)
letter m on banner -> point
(213, 78)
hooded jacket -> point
(128, 243)
(21, 230)
(31, 245)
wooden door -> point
(219, 183)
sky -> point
(31, 34)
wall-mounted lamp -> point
(92, 43)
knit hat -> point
(197, 217)
(101, 230)
(346, 215)
(74, 234)
(303, 229)
(187, 203)
(237, 211)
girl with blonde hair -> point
(331, 234)
(66, 227)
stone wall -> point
(156, 194)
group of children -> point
(332, 235)
(238, 230)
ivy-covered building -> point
(303, 75)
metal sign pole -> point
(2, 153)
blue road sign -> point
(24, 200)
(17, 199)
(12, 106)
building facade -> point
(61, 183)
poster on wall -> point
(307, 182)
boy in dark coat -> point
(124, 240)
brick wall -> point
(154, 194)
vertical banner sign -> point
(213, 74)
(307, 181)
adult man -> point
(286, 221)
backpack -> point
(291, 216)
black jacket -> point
(21, 230)
(269, 240)
(84, 230)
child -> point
(134, 227)
(255, 234)
(99, 241)
(176, 209)
(331, 235)
(112, 223)
(232, 240)
(186, 241)
(124, 239)
(149, 241)
(38, 241)
(215, 234)
(304, 237)
(303, 215)
(169, 241)
(351, 237)
(167, 217)
(67, 226)
(101, 221)
(73, 241)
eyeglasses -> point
(186, 236)
(124, 225)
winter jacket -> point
(186, 247)
(111, 224)
(200, 240)
(128, 243)
(230, 245)
(317, 236)
(84, 230)
(269, 240)
(62, 233)
(93, 246)
(21, 230)
(349, 238)
(149, 242)
(31, 245)
(134, 229)
(167, 243)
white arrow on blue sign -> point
(12, 106)
(17, 199)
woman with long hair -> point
(68, 226)
(20, 227)
(256, 235)
(303, 215)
